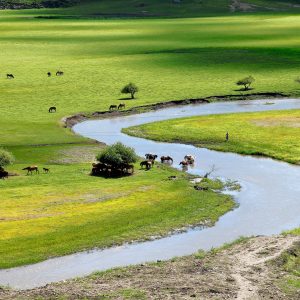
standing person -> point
(227, 136)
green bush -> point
(130, 89)
(6, 158)
(117, 155)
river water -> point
(269, 201)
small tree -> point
(130, 89)
(6, 158)
(246, 82)
(117, 155)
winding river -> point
(269, 201)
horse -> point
(10, 76)
(3, 174)
(113, 107)
(46, 170)
(147, 164)
(52, 109)
(151, 156)
(59, 73)
(184, 163)
(166, 158)
(121, 106)
(49, 74)
(129, 169)
(189, 158)
(30, 169)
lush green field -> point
(168, 59)
(66, 210)
(273, 134)
(193, 58)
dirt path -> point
(255, 257)
(241, 271)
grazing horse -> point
(147, 164)
(49, 74)
(30, 169)
(113, 107)
(166, 158)
(3, 174)
(190, 159)
(151, 156)
(46, 170)
(52, 109)
(121, 106)
(184, 163)
(59, 73)
(10, 76)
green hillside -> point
(155, 8)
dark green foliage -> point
(117, 155)
(130, 89)
(246, 82)
(6, 158)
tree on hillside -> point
(6, 158)
(130, 89)
(246, 82)
(117, 155)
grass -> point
(274, 134)
(67, 210)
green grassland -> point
(274, 134)
(67, 210)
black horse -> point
(49, 74)
(147, 164)
(59, 73)
(10, 76)
(3, 174)
(52, 109)
(166, 158)
(151, 156)
(113, 107)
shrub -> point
(6, 158)
(117, 155)
(130, 89)
(246, 82)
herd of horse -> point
(150, 160)
(117, 107)
(102, 169)
(35, 169)
(49, 74)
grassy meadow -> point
(274, 134)
(67, 210)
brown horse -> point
(166, 158)
(147, 164)
(121, 106)
(190, 159)
(30, 169)
(184, 163)
(113, 107)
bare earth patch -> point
(273, 122)
(241, 271)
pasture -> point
(273, 134)
(167, 59)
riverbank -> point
(247, 268)
(269, 134)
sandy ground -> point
(241, 271)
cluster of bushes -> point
(115, 160)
